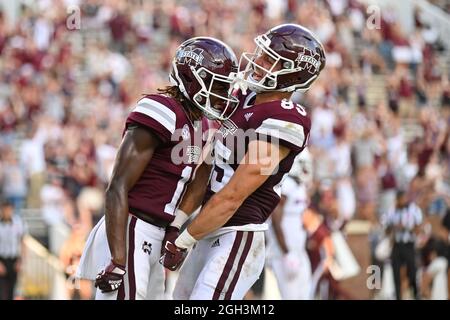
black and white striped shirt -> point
(11, 234)
(406, 218)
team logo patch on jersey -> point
(193, 153)
(147, 247)
(248, 115)
(308, 60)
(216, 243)
(191, 56)
(185, 134)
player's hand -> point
(171, 235)
(173, 256)
(111, 278)
(291, 264)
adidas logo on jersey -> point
(248, 115)
(216, 243)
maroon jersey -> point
(281, 121)
(160, 188)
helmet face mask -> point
(297, 59)
(269, 79)
(214, 98)
(204, 69)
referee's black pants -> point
(404, 253)
(9, 279)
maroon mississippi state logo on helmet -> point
(308, 60)
(191, 56)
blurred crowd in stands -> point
(380, 110)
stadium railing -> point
(42, 275)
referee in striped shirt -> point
(403, 224)
(12, 231)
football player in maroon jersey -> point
(253, 152)
(147, 181)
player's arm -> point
(328, 247)
(195, 192)
(191, 200)
(219, 209)
(196, 189)
(135, 151)
(277, 216)
(249, 176)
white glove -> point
(291, 263)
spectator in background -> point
(53, 199)
(14, 181)
(12, 230)
(90, 204)
(340, 155)
(366, 148)
(70, 255)
(403, 223)
(446, 238)
(319, 246)
(33, 161)
(317, 220)
(388, 185)
(105, 155)
(434, 277)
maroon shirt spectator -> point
(119, 26)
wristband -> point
(180, 218)
(185, 240)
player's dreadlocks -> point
(174, 92)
